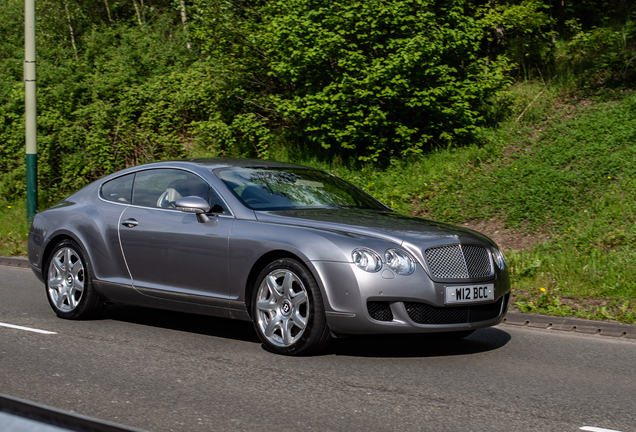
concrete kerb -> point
(578, 325)
(15, 261)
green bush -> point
(370, 79)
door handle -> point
(130, 223)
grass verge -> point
(14, 230)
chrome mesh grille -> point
(422, 313)
(459, 262)
(380, 311)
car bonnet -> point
(392, 226)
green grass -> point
(14, 230)
(558, 279)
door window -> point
(163, 187)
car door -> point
(109, 264)
(168, 252)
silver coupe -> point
(299, 252)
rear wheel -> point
(288, 311)
(69, 288)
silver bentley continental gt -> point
(299, 252)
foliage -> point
(521, 31)
(602, 54)
(95, 115)
(13, 230)
(363, 83)
(133, 96)
(560, 280)
(375, 79)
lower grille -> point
(380, 311)
(423, 313)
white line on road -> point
(597, 429)
(27, 328)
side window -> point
(119, 189)
(163, 187)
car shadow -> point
(185, 322)
(418, 345)
(392, 346)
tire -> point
(288, 311)
(69, 286)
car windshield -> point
(292, 188)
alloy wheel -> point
(282, 306)
(66, 279)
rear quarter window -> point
(119, 189)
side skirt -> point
(126, 294)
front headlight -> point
(366, 259)
(399, 261)
(498, 258)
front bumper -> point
(357, 302)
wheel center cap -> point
(69, 279)
(286, 307)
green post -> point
(30, 111)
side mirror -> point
(194, 204)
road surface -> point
(164, 371)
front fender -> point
(250, 240)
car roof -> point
(203, 164)
(214, 163)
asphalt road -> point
(164, 371)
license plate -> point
(470, 293)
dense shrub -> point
(372, 79)
(366, 82)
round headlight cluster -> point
(366, 259)
(399, 261)
(498, 258)
(396, 259)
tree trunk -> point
(138, 14)
(184, 19)
(108, 10)
(143, 12)
(70, 27)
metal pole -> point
(30, 111)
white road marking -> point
(27, 329)
(597, 429)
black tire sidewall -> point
(316, 323)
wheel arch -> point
(55, 240)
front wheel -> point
(68, 283)
(288, 311)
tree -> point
(377, 78)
